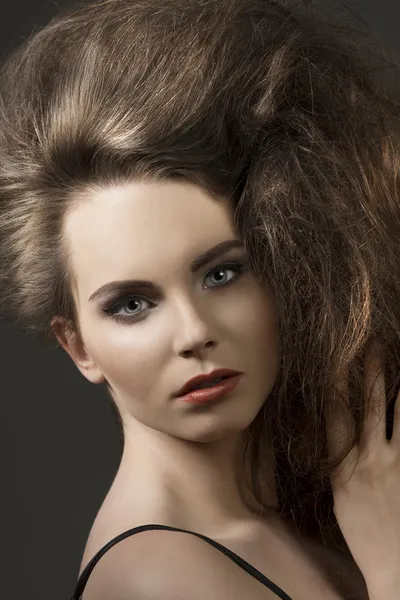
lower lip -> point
(212, 393)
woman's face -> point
(183, 322)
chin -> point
(211, 432)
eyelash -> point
(238, 267)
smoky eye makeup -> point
(147, 298)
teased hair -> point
(290, 115)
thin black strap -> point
(82, 581)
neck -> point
(204, 484)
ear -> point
(71, 342)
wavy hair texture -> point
(292, 116)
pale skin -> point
(178, 460)
(175, 455)
(366, 489)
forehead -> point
(122, 231)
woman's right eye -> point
(123, 302)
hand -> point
(366, 487)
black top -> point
(83, 579)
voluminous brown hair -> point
(292, 116)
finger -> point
(374, 431)
(395, 439)
(339, 420)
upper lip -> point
(189, 385)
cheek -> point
(258, 329)
(256, 317)
(129, 363)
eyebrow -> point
(199, 262)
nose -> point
(197, 349)
(192, 331)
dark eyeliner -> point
(239, 267)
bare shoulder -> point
(169, 565)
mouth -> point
(213, 391)
(207, 380)
(208, 384)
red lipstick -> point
(230, 380)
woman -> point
(189, 186)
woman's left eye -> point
(237, 268)
(115, 314)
